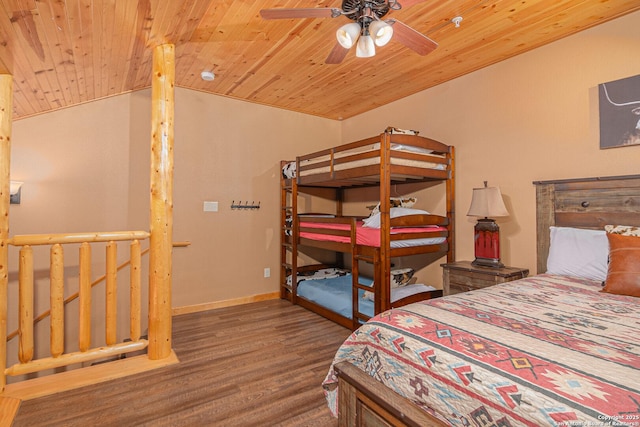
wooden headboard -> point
(584, 203)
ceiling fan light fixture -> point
(366, 48)
(381, 32)
(348, 34)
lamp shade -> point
(348, 34)
(487, 202)
(365, 48)
(381, 32)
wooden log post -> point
(26, 304)
(161, 227)
(6, 111)
(84, 298)
(135, 291)
(56, 297)
(111, 294)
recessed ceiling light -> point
(207, 76)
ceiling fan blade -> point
(337, 54)
(409, 3)
(411, 38)
(311, 12)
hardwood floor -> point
(259, 364)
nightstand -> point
(462, 276)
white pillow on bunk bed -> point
(578, 252)
(399, 277)
(374, 220)
(394, 202)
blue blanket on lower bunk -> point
(335, 294)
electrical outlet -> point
(267, 272)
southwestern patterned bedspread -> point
(541, 351)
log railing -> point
(160, 243)
(97, 281)
(56, 242)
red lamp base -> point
(487, 243)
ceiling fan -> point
(368, 29)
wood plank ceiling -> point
(66, 52)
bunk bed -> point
(556, 349)
(345, 296)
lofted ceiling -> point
(66, 52)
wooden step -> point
(44, 386)
(8, 410)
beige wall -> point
(228, 151)
(74, 164)
(529, 118)
(75, 167)
(86, 168)
(532, 117)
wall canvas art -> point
(619, 112)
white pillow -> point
(578, 252)
(395, 202)
(374, 220)
(398, 278)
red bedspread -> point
(541, 351)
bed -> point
(331, 288)
(393, 229)
(548, 350)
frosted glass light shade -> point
(487, 202)
(365, 48)
(381, 32)
(347, 35)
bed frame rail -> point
(362, 402)
(346, 165)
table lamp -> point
(487, 202)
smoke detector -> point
(207, 76)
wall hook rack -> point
(245, 205)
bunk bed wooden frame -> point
(157, 345)
(369, 162)
(588, 203)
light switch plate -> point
(211, 206)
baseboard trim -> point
(225, 303)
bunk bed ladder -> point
(451, 211)
(357, 316)
(288, 244)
